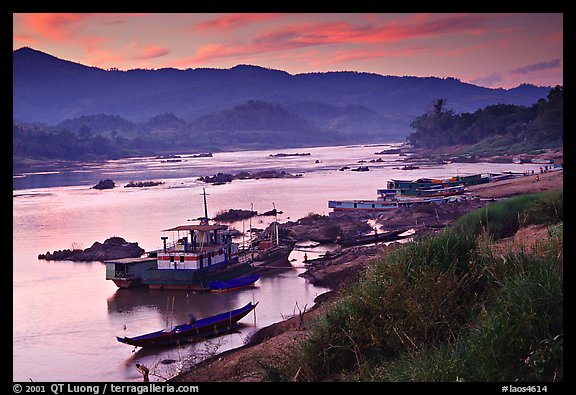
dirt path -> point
(515, 186)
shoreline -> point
(269, 343)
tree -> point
(433, 128)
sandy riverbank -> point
(270, 343)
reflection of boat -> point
(202, 328)
(234, 284)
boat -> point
(374, 238)
(415, 187)
(203, 328)
(126, 272)
(439, 190)
(267, 252)
(201, 253)
(374, 205)
(234, 284)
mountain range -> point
(243, 104)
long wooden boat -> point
(374, 238)
(234, 284)
(202, 328)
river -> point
(66, 315)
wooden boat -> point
(234, 284)
(374, 238)
(202, 328)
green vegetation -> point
(495, 129)
(453, 307)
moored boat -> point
(234, 284)
(126, 272)
(374, 205)
(201, 253)
(206, 327)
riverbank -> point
(269, 344)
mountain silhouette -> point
(53, 91)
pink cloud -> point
(152, 51)
(300, 35)
(98, 56)
(57, 27)
(23, 40)
(227, 22)
(418, 26)
(369, 53)
(557, 37)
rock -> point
(234, 215)
(112, 248)
(222, 178)
(104, 184)
(141, 184)
(326, 229)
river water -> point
(66, 315)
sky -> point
(492, 50)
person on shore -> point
(144, 371)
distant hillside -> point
(49, 90)
(495, 129)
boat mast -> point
(205, 220)
(275, 229)
(251, 240)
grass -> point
(447, 308)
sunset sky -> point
(493, 50)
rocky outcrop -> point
(112, 248)
(104, 184)
(222, 178)
(326, 229)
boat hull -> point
(204, 328)
(234, 284)
(124, 282)
(192, 280)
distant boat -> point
(234, 284)
(543, 161)
(202, 328)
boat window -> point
(171, 258)
(181, 258)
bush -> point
(445, 308)
(519, 337)
(503, 218)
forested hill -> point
(65, 110)
(50, 90)
(496, 127)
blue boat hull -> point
(203, 328)
(234, 284)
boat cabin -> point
(197, 247)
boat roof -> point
(201, 228)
